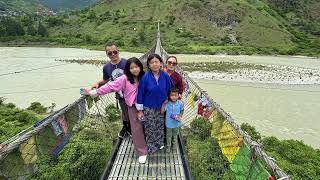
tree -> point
(134, 42)
(112, 112)
(38, 108)
(53, 105)
(19, 29)
(31, 30)
(2, 99)
(26, 20)
(251, 131)
(12, 27)
(13, 120)
(54, 21)
(141, 36)
(88, 38)
(92, 15)
(201, 128)
(42, 30)
(106, 15)
(299, 160)
(226, 40)
(286, 6)
(171, 20)
(2, 30)
(116, 15)
(10, 105)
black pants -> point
(124, 115)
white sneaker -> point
(161, 147)
(142, 159)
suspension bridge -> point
(21, 155)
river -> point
(284, 111)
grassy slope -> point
(253, 26)
(258, 28)
(14, 120)
(303, 14)
(19, 5)
(199, 26)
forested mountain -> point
(194, 26)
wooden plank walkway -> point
(160, 165)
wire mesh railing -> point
(86, 122)
(246, 158)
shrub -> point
(201, 128)
(37, 108)
(113, 113)
(251, 131)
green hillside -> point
(192, 26)
(303, 14)
(20, 6)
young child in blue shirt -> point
(174, 109)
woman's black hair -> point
(172, 90)
(127, 69)
(151, 56)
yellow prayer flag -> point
(29, 151)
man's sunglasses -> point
(172, 63)
(110, 53)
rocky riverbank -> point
(264, 74)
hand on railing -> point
(85, 91)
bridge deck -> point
(160, 165)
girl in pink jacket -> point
(128, 84)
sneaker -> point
(142, 159)
(161, 147)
